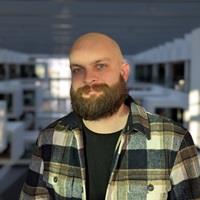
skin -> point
(94, 59)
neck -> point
(111, 124)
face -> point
(94, 107)
(98, 82)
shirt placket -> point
(80, 147)
(118, 150)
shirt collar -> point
(138, 118)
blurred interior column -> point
(194, 92)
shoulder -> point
(169, 132)
(161, 123)
(70, 121)
(59, 128)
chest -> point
(140, 170)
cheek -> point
(111, 78)
(76, 84)
(76, 79)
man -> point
(109, 147)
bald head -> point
(95, 42)
(96, 58)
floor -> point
(12, 184)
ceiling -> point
(49, 27)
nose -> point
(90, 77)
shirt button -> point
(55, 179)
(150, 187)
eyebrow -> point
(75, 65)
(101, 60)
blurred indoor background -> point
(159, 38)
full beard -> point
(99, 106)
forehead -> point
(89, 55)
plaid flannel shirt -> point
(154, 159)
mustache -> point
(95, 87)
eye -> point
(101, 66)
(76, 70)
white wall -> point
(3, 137)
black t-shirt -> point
(99, 150)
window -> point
(13, 71)
(29, 97)
(27, 71)
(144, 73)
(178, 76)
(161, 74)
(175, 114)
(2, 72)
(9, 101)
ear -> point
(125, 68)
